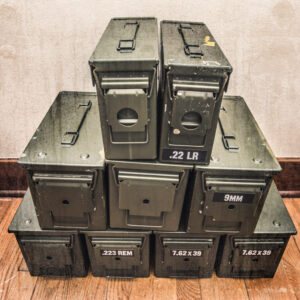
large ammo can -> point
(124, 69)
(258, 254)
(146, 195)
(185, 255)
(114, 253)
(195, 74)
(47, 252)
(65, 165)
(228, 195)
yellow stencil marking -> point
(207, 41)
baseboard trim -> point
(13, 181)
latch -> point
(112, 247)
(71, 135)
(128, 41)
(48, 250)
(229, 140)
(190, 41)
(147, 194)
(193, 104)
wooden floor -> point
(16, 282)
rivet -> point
(176, 131)
(28, 221)
(276, 223)
(214, 220)
(23, 155)
(34, 137)
(257, 161)
(42, 154)
(200, 212)
(84, 155)
(214, 159)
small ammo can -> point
(228, 195)
(185, 255)
(258, 254)
(47, 252)
(114, 253)
(65, 165)
(146, 195)
(195, 74)
(124, 69)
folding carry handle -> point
(128, 40)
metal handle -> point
(70, 136)
(227, 138)
(149, 176)
(190, 41)
(128, 40)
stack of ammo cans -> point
(152, 169)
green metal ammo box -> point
(195, 74)
(146, 195)
(185, 255)
(115, 253)
(124, 69)
(47, 252)
(258, 254)
(65, 165)
(228, 195)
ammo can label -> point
(116, 252)
(183, 155)
(186, 253)
(233, 197)
(246, 252)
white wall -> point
(45, 46)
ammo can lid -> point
(191, 45)
(128, 40)
(274, 218)
(25, 219)
(69, 135)
(238, 130)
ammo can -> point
(114, 253)
(64, 161)
(124, 69)
(47, 252)
(146, 195)
(185, 255)
(258, 254)
(195, 74)
(228, 195)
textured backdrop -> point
(45, 46)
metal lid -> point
(190, 44)
(69, 135)
(274, 218)
(239, 144)
(25, 219)
(128, 40)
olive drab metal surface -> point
(195, 74)
(185, 255)
(47, 252)
(228, 195)
(114, 253)
(258, 254)
(65, 165)
(124, 69)
(146, 195)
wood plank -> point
(118, 288)
(21, 286)
(164, 288)
(289, 178)
(188, 289)
(293, 206)
(223, 288)
(286, 282)
(142, 288)
(46, 288)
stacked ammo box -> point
(152, 169)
